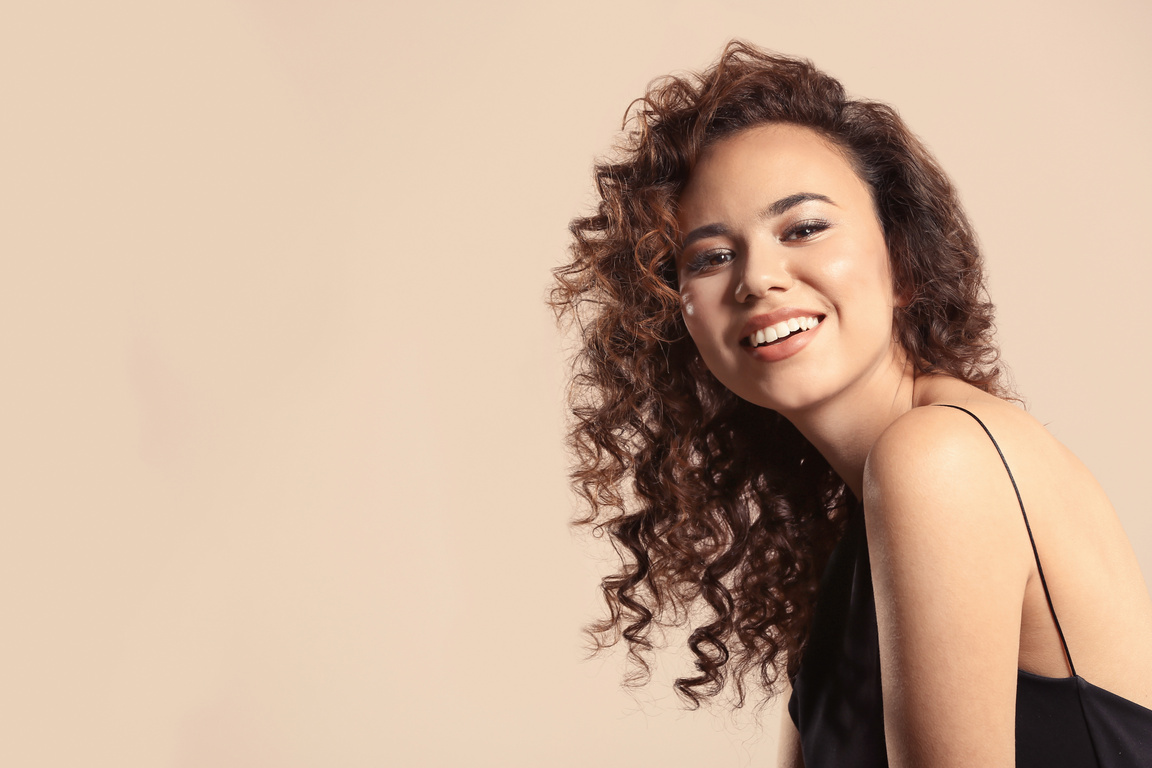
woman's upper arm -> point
(947, 549)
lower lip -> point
(782, 350)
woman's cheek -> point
(706, 319)
(686, 305)
(694, 323)
(696, 319)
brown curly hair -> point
(722, 513)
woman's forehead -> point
(767, 161)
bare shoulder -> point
(940, 449)
(944, 455)
(925, 439)
(947, 533)
(936, 491)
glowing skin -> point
(778, 227)
(686, 303)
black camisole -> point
(837, 704)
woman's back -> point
(1097, 589)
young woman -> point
(789, 417)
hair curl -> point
(722, 512)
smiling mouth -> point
(785, 329)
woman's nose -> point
(762, 273)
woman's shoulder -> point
(953, 439)
(943, 469)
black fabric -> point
(837, 704)
(836, 701)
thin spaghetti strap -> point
(1035, 553)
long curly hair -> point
(722, 513)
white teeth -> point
(782, 329)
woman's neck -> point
(845, 428)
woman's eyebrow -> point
(782, 205)
(700, 233)
(786, 203)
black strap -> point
(1032, 539)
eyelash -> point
(703, 261)
(815, 225)
(793, 234)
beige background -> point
(282, 478)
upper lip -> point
(763, 321)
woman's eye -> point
(804, 230)
(708, 260)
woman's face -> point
(784, 276)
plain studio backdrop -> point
(283, 481)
